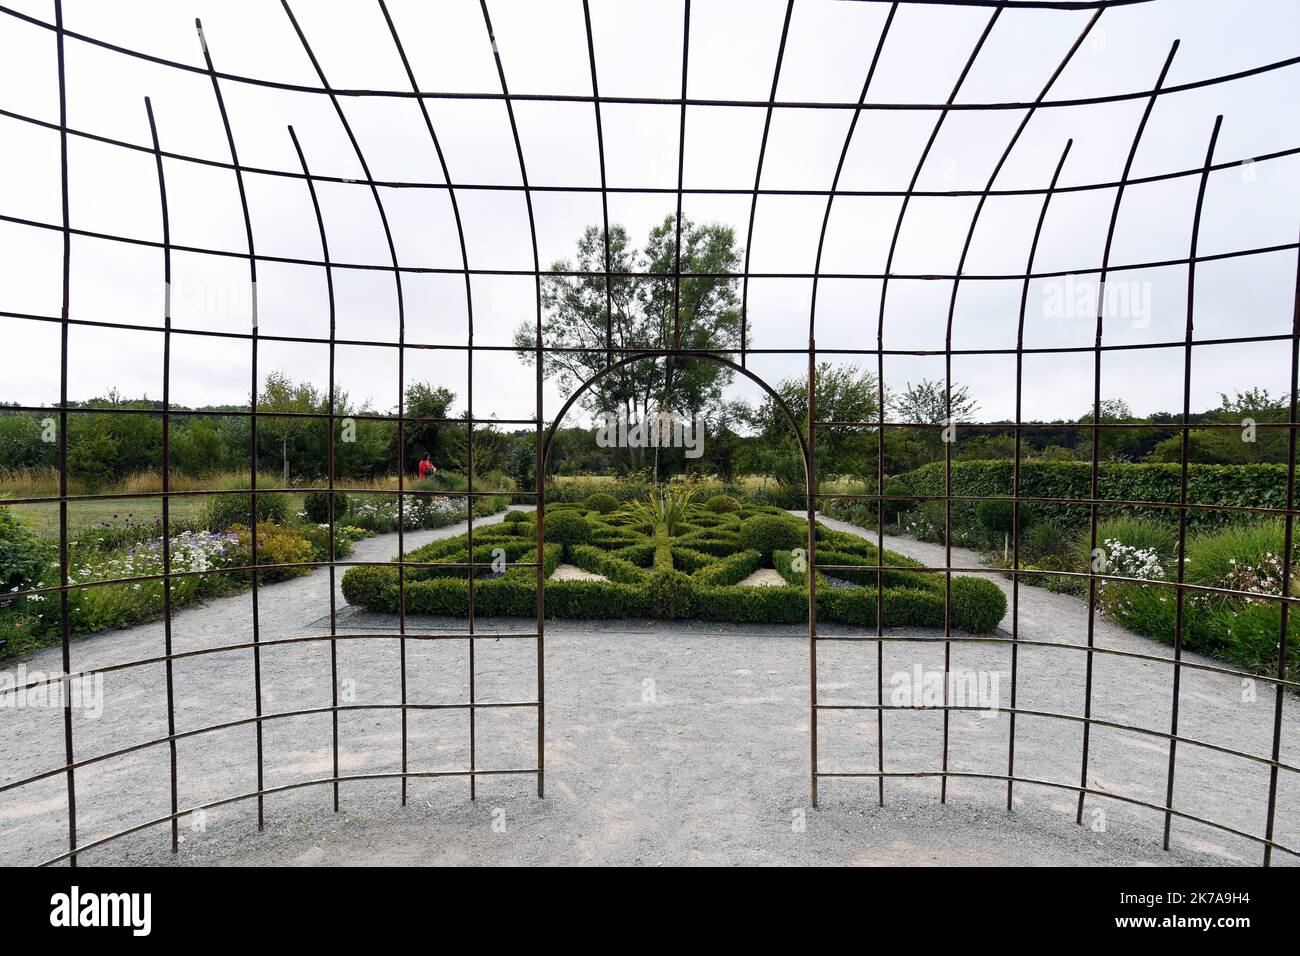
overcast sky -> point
(638, 45)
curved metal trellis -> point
(617, 357)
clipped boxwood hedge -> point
(693, 575)
(1261, 486)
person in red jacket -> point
(427, 467)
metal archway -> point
(72, 315)
(809, 469)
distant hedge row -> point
(1261, 486)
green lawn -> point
(44, 518)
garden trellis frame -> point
(614, 356)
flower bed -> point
(693, 574)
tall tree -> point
(638, 315)
(279, 396)
(845, 393)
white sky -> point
(638, 50)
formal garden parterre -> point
(668, 557)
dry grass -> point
(44, 482)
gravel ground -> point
(665, 743)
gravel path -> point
(665, 743)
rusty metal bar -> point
(253, 403)
(1096, 417)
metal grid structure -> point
(616, 358)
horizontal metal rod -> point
(1062, 645)
(1028, 499)
(611, 350)
(203, 492)
(656, 276)
(643, 190)
(278, 642)
(1085, 575)
(685, 101)
(262, 718)
(285, 788)
(1075, 718)
(1075, 788)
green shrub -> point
(926, 521)
(224, 511)
(1242, 557)
(767, 533)
(669, 594)
(276, 544)
(22, 554)
(1249, 485)
(601, 503)
(444, 481)
(729, 570)
(995, 516)
(779, 496)
(566, 527)
(978, 605)
(1245, 631)
(663, 509)
(1138, 534)
(317, 506)
(722, 504)
(518, 517)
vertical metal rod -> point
(950, 437)
(1095, 480)
(880, 434)
(540, 451)
(65, 630)
(812, 328)
(329, 290)
(1179, 593)
(469, 514)
(396, 270)
(1283, 642)
(810, 470)
(758, 178)
(681, 168)
(1016, 487)
(252, 440)
(469, 314)
(166, 464)
(604, 184)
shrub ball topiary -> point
(894, 507)
(721, 504)
(514, 517)
(977, 605)
(235, 507)
(601, 502)
(768, 533)
(566, 527)
(317, 506)
(995, 515)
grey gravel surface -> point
(665, 743)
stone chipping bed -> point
(665, 743)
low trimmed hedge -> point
(695, 575)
